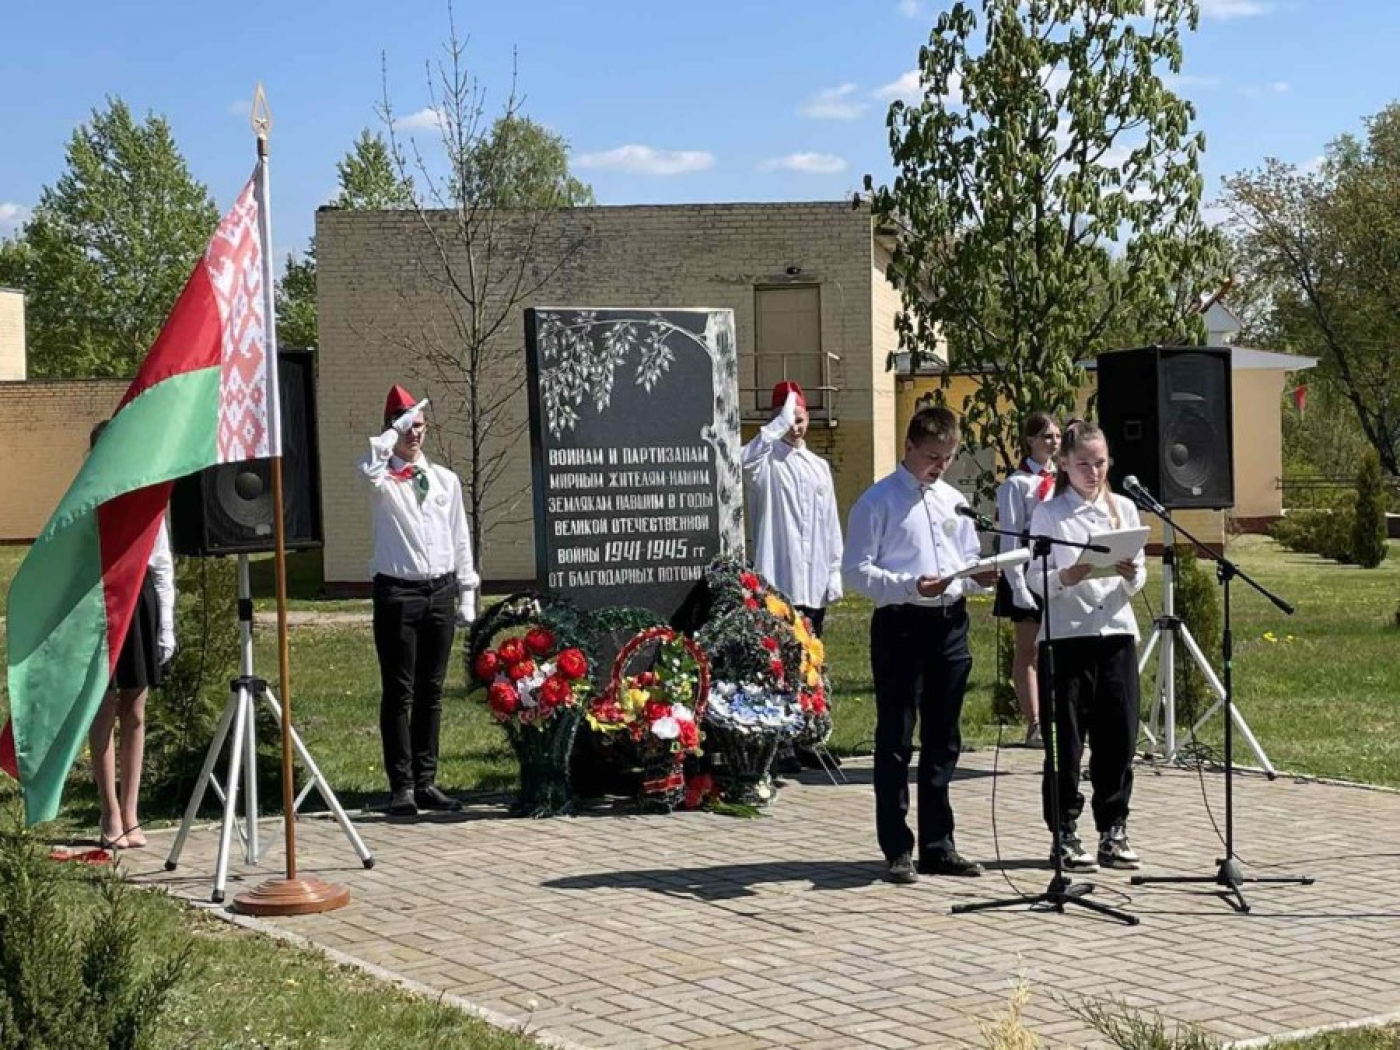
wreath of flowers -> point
(527, 678)
(654, 708)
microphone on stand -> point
(1139, 493)
(980, 520)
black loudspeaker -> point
(1166, 412)
(227, 509)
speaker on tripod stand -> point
(227, 509)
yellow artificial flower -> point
(813, 678)
(777, 606)
(818, 651)
(636, 699)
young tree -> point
(489, 239)
(368, 182)
(1321, 246)
(1046, 194)
(110, 246)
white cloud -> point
(905, 88)
(241, 108)
(1224, 10)
(911, 8)
(807, 163)
(1278, 87)
(647, 160)
(1182, 81)
(427, 117)
(12, 217)
(838, 103)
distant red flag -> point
(1300, 398)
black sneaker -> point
(901, 871)
(433, 798)
(1072, 853)
(401, 804)
(948, 862)
(1115, 851)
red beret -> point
(786, 387)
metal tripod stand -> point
(1167, 629)
(1228, 874)
(1061, 890)
(240, 715)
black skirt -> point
(138, 664)
(1007, 609)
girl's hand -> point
(1075, 574)
(932, 586)
(1126, 569)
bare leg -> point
(132, 715)
(104, 771)
(1023, 671)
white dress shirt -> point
(413, 540)
(900, 530)
(1016, 499)
(796, 529)
(1100, 606)
(161, 566)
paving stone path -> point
(707, 931)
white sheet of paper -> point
(996, 562)
(1122, 544)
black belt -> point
(940, 612)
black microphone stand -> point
(1228, 874)
(1061, 890)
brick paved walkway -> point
(708, 931)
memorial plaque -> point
(634, 428)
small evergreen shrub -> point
(1198, 604)
(1006, 709)
(1368, 539)
(71, 979)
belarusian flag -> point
(205, 394)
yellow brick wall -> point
(12, 351)
(374, 305)
(63, 412)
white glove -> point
(165, 647)
(404, 423)
(788, 413)
(466, 608)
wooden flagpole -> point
(294, 894)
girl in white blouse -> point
(1093, 646)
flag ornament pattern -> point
(202, 396)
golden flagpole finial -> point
(260, 116)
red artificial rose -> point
(524, 669)
(539, 641)
(750, 581)
(771, 644)
(502, 698)
(819, 704)
(645, 679)
(486, 666)
(776, 666)
(556, 690)
(572, 664)
(689, 736)
(512, 650)
(750, 603)
(655, 709)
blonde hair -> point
(1077, 434)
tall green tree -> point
(1322, 245)
(368, 182)
(520, 164)
(1046, 194)
(110, 246)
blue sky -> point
(661, 101)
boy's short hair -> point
(936, 423)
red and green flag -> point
(205, 394)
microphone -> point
(1139, 492)
(980, 520)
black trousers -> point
(920, 661)
(816, 617)
(1096, 695)
(414, 623)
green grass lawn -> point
(1320, 689)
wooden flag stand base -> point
(304, 895)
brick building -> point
(805, 281)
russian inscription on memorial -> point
(634, 427)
